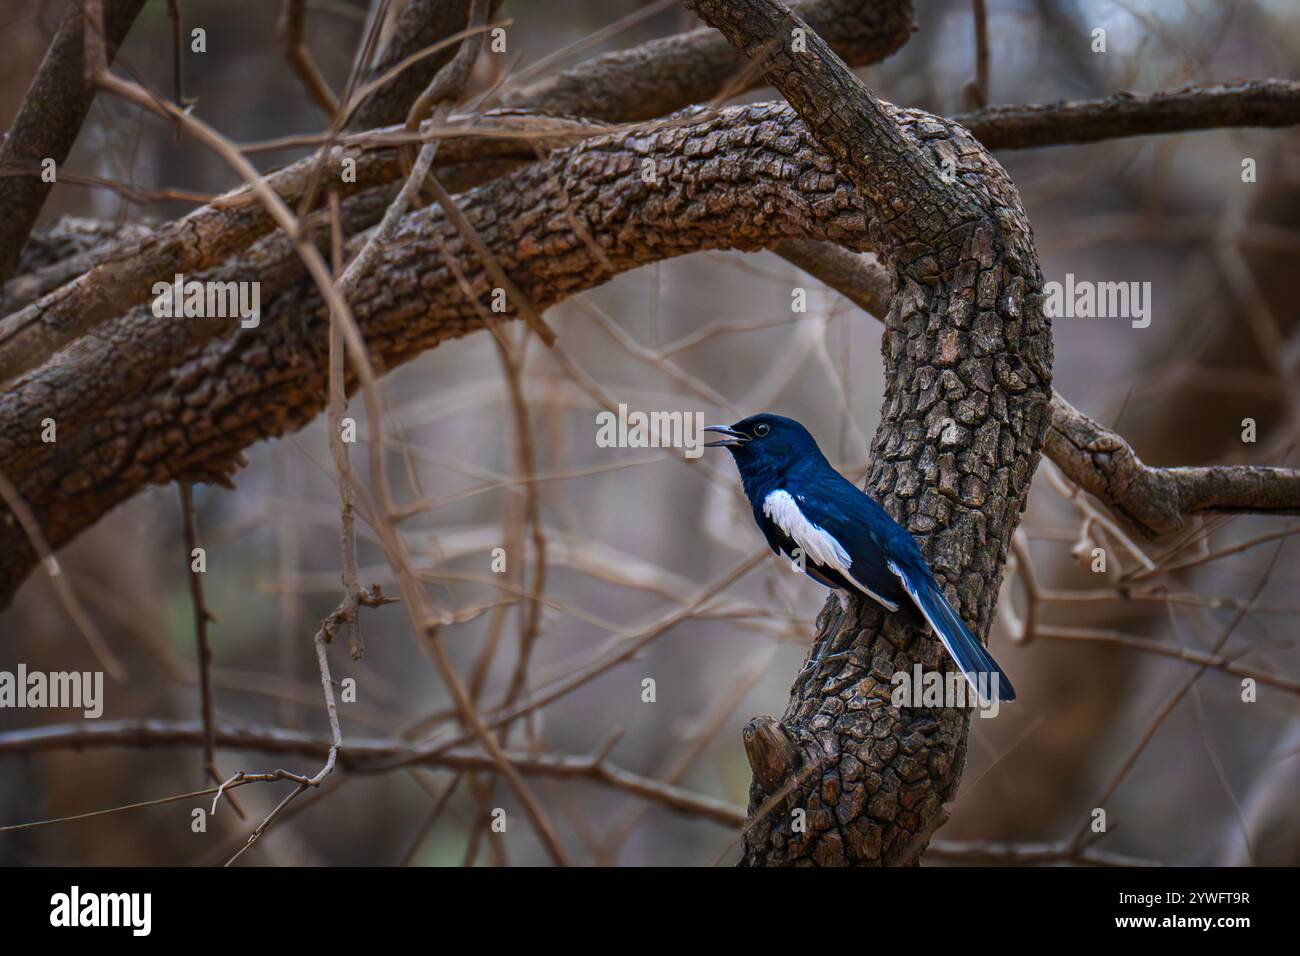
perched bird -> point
(846, 541)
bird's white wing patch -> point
(818, 544)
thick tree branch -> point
(1256, 103)
(1158, 500)
(49, 121)
(664, 75)
(140, 400)
(967, 356)
(922, 210)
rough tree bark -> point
(138, 401)
(122, 271)
(108, 389)
(655, 78)
(968, 356)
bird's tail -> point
(974, 661)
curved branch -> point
(1156, 501)
(967, 362)
(922, 211)
(141, 401)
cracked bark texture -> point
(647, 80)
(78, 383)
(140, 401)
(967, 354)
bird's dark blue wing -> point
(885, 561)
(981, 670)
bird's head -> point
(764, 441)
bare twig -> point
(976, 94)
(1028, 854)
(328, 628)
(359, 756)
(1167, 708)
(335, 408)
(293, 41)
(203, 650)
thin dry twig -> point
(1167, 708)
(203, 649)
(976, 93)
(369, 756)
(335, 407)
(328, 628)
(292, 33)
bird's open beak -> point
(731, 436)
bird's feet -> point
(828, 657)
(829, 639)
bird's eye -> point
(761, 429)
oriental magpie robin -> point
(843, 538)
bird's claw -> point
(828, 657)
